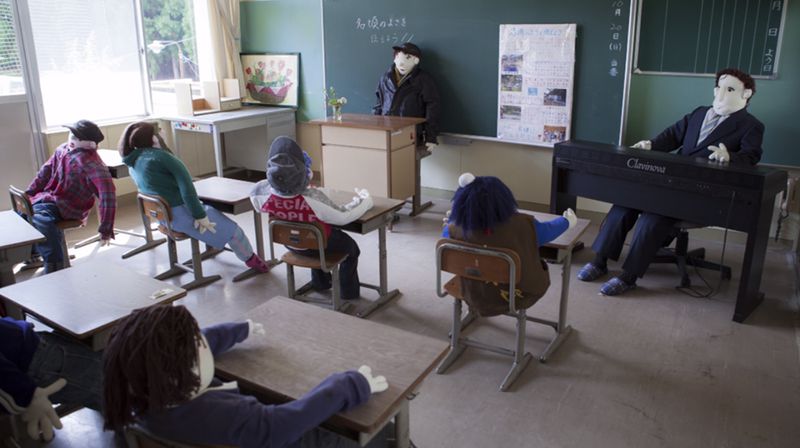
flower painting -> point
(271, 78)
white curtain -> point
(223, 21)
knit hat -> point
(86, 130)
(286, 168)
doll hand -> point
(429, 146)
(105, 241)
(719, 153)
(204, 224)
(255, 328)
(571, 218)
(40, 415)
(362, 193)
(446, 219)
(376, 383)
(644, 144)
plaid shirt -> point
(72, 179)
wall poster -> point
(536, 75)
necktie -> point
(708, 126)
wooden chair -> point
(300, 235)
(682, 256)
(155, 209)
(22, 204)
(138, 437)
(488, 264)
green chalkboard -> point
(704, 36)
(459, 40)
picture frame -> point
(271, 78)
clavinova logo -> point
(635, 164)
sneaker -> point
(257, 263)
(591, 272)
(615, 287)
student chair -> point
(138, 437)
(488, 264)
(682, 256)
(157, 211)
(22, 204)
(300, 235)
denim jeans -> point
(338, 242)
(60, 357)
(46, 218)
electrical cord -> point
(711, 292)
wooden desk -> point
(119, 170)
(279, 121)
(16, 239)
(86, 300)
(378, 217)
(304, 344)
(560, 250)
(371, 151)
(232, 196)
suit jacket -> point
(740, 132)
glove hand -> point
(429, 146)
(204, 224)
(643, 144)
(571, 218)
(40, 416)
(446, 219)
(362, 193)
(376, 383)
(255, 328)
(105, 241)
(719, 153)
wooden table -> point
(16, 239)
(560, 250)
(378, 217)
(232, 196)
(382, 149)
(86, 300)
(119, 170)
(278, 121)
(304, 344)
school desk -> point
(119, 170)
(376, 218)
(304, 344)
(232, 196)
(86, 300)
(16, 240)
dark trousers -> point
(46, 218)
(652, 232)
(338, 242)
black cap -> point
(86, 130)
(409, 48)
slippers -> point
(590, 272)
(615, 287)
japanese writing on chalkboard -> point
(384, 29)
(616, 37)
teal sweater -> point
(156, 171)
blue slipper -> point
(590, 272)
(615, 287)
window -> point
(11, 82)
(88, 59)
(169, 37)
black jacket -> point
(417, 96)
(740, 132)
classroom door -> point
(18, 161)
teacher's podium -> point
(375, 152)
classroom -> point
(215, 150)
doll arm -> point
(16, 387)
(185, 185)
(43, 176)
(222, 337)
(331, 213)
(549, 230)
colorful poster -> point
(536, 75)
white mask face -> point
(405, 62)
(204, 366)
(730, 96)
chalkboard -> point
(459, 41)
(704, 36)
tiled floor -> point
(650, 368)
